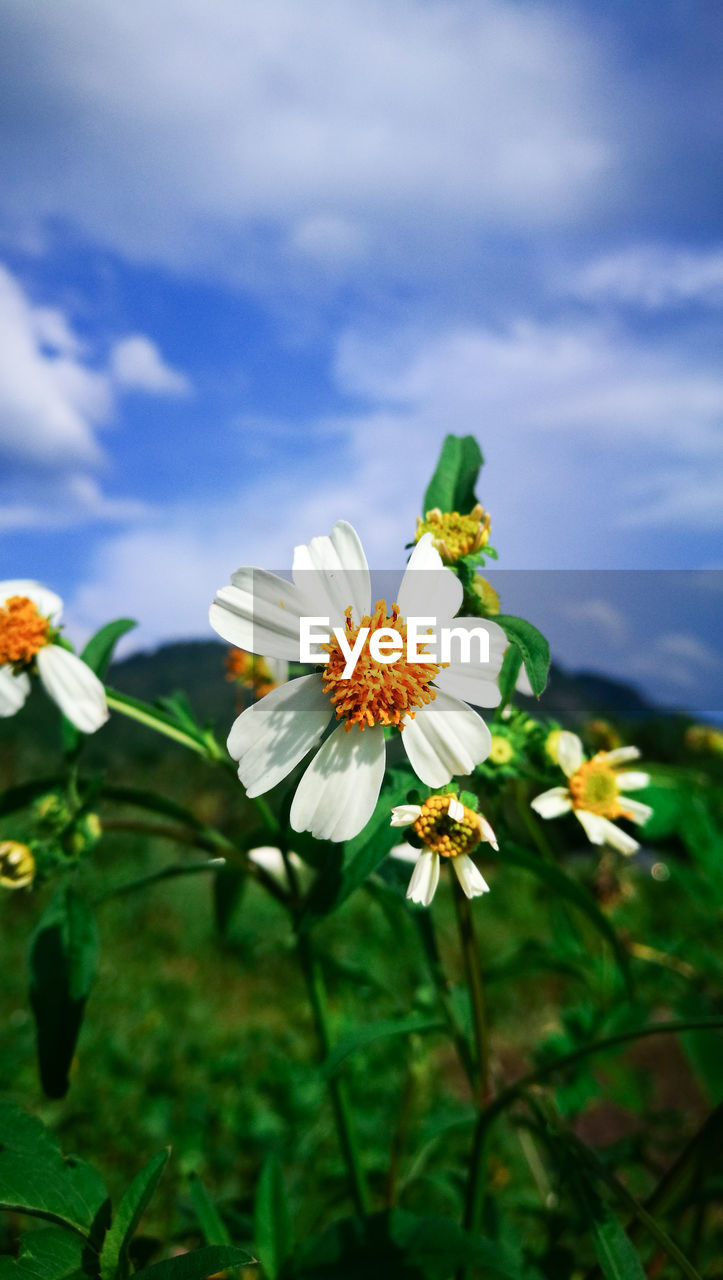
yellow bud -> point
(17, 865)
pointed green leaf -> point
(452, 485)
(213, 1227)
(97, 655)
(63, 962)
(362, 1036)
(616, 1255)
(532, 645)
(122, 1229)
(48, 1254)
(197, 1265)
(272, 1223)
(36, 1179)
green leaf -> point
(511, 665)
(36, 1179)
(114, 1255)
(228, 887)
(362, 1036)
(563, 885)
(197, 1265)
(213, 1227)
(532, 645)
(99, 649)
(273, 1235)
(48, 1254)
(360, 856)
(452, 485)
(616, 1255)
(63, 961)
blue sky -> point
(256, 260)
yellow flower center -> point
(377, 692)
(17, 864)
(501, 750)
(594, 787)
(22, 630)
(455, 535)
(445, 835)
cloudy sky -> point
(257, 259)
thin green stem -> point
(425, 927)
(343, 1116)
(146, 715)
(474, 1197)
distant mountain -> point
(197, 666)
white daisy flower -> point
(29, 618)
(595, 792)
(448, 829)
(442, 735)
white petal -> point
(338, 792)
(620, 755)
(522, 683)
(404, 853)
(633, 780)
(76, 689)
(404, 814)
(470, 878)
(271, 737)
(13, 691)
(260, 612)
(473, 681)
(636, 810)
(569, 752)
(427, 588)
(602, 831)
(445, 739)
(48, 604)
(334, 570)
(593, 825)
(455, 810)
(550, 804)
(425, 878)
(487, 832)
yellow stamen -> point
(594, 787)
(455, 535)
(443, 834)
(17, 864)
(22, 630)
(377, 692)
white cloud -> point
(652, 276)
(136, 364)
(51, 403)
(54, 403)
(386, 122)
(601, 615)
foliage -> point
(526, 1087)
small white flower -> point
(442, 735)
(29, 617)
(595, 792)
(448, 829)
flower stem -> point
(473, 971)
(343, 1116)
